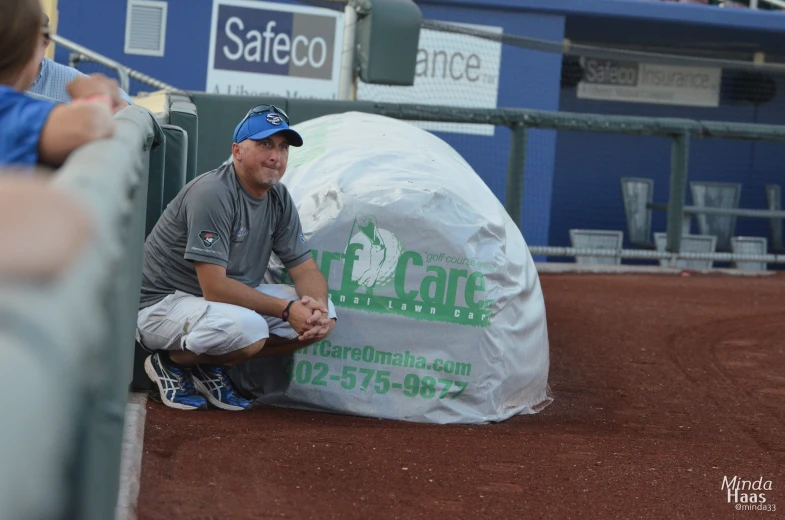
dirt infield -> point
(663, 385)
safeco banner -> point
(630, 81)
(263, 48)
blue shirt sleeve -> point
(22, 119)
(126, 97)
(54, 78)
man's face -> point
(30, 72)
(262, 163)
(41, 51)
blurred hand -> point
(96, 85)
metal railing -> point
(83, 54)
(94, 56)
(76, 57)
(679, 131)
(642, 254)
(70, 342)
(776, 3)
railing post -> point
(346, 78)
(516, 166)
(122, 74)
(680, 157)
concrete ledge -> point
(565, 267)
(131, 462)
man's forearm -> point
(237, 293)
(312, 283)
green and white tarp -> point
(441, 316)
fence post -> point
(516, 167)
(680, 157)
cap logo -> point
(274, 119)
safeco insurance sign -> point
(630, 81)
(263, 48)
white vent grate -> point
(145, 27)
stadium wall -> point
(593, 164)
(586, 189)
(561, 169)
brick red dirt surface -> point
(663, 385)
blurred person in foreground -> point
(35, 130)
(203, 305)
(53, 78)
(48, 221)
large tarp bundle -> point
(441, 316)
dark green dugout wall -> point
(198, 131)
(219, 114)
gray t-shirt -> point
(215, 220)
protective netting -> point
(458, 69)
(694, 77)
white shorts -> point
(183, 321)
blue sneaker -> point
(175, 384)
(212, 382)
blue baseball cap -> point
(262, 122)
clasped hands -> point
(309, 318)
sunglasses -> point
(261, 109)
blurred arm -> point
(49, 228)
(72, 126)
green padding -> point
(304, 109)
(218, 116)
(182, 113)
(155, 186)
(176, 160)
(174, 97)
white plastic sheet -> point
(441, 316)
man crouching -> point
(203, 306)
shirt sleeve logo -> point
(240, 234)
(209, 238)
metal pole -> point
(753, 4)
(516, 166)
(346, 77)
(735, 212)
(98, 58)
(135, 74)
(655, 255)
(778, 3)
(680, 157)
